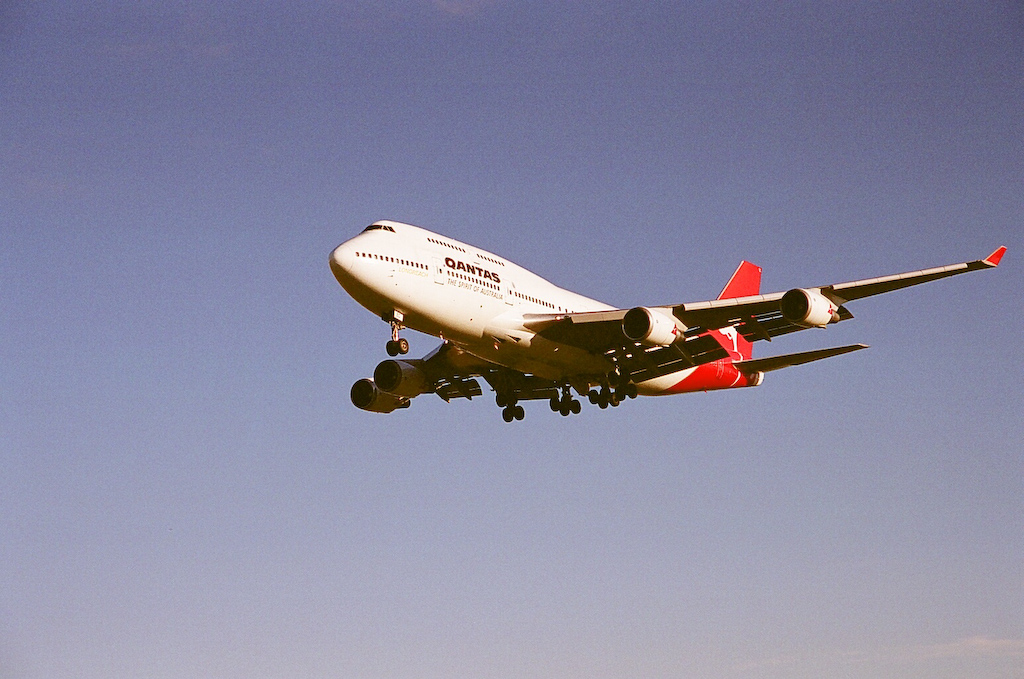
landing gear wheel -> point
(575, 407)
(396, 345)
(595, 396)
(508, 414)
(630, 390)
(555, 404)
(518, 412)
(500, 400)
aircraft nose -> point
(342, 259)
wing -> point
(765, 309)
(601, 333)
(450, 372)
(755, 317)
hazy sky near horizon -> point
(186, 491)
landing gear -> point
(510, 408)
(602, 399)
(608, 396)
(624, 387)
(513, 412)
(562, 402)
(565, 404)
(396, 345)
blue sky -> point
(187, 491)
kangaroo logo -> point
(733, 336)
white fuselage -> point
(463, 294)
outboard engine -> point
(366, 396)
(650, 327)
(808, 308)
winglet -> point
(993, 259)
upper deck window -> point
(378, 227)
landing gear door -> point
(438, 271)
(509, 290)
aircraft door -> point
(438, 271)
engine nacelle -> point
(401, 378)
(650, 327)
(808, 308)
(366, 396)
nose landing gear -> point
(396, 345)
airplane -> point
(529, 339)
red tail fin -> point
(746, 281)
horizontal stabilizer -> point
(786, 360)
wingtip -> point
(997, 254)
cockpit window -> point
(378, 227)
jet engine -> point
(402, 378)
(808, 308)
(650, 327)
(366, 396)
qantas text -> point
(471, 269)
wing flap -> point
(646, 363)
(525, 387)
(458, 388)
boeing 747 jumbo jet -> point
(529, 339)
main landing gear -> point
(565, 404)
(511, 410)
(608, 397)
(396, 345)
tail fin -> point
(744, 282)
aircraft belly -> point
(707, 377)
(661, 385)
(537, 356)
